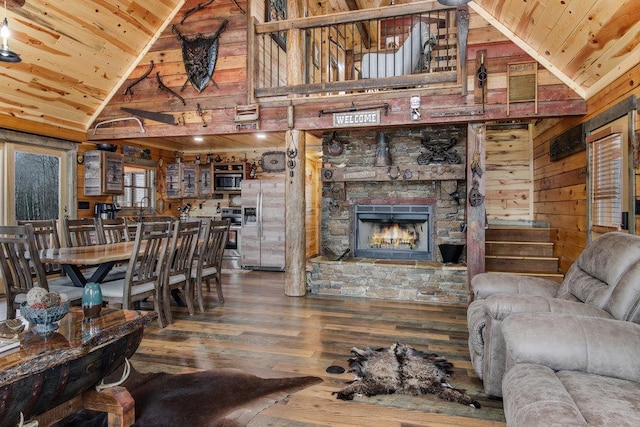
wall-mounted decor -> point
(522, 83)
(273, 161)
(277, 11)
(568, 143)
(199, 55)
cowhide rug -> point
(401, 369)
(222, 397)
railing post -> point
(295, 45)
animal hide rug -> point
(401, 369)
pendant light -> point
(6, 55)
(453, 2)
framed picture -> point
(276, 10)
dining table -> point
(74, 259)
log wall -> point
(560, 187)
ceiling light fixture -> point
(7, 55)
(453, 2)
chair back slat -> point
(46, 237)
(178, 261)
(113, 230)
(20, 263)
(208, 261)
(81, 232)
(182, 247)
(146, 262)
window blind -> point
(606, 181)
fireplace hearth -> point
(393, 231)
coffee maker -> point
(106, 210)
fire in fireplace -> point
(393, 231)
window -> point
(607, 169)
(37, 196)
(139, 186)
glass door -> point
(38, 183)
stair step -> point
(521, 264)
(518, 234)
(539, 249)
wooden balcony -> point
(403, 46)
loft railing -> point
(357, 51)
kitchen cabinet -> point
(181, 180)
(173, 180)
(263, 228)
(103, 173)
(205, 183)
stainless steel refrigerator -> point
(263, 228)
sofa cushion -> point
(603, 401)
(601, 266)
(624, 302)
(534, 396)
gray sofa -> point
(604, 282)
(565, 370)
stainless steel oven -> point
(232, 257)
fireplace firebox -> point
(393, 231)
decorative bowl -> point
(45, 319)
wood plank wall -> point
(560, 188)
(509, 173)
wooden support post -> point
(476, 219)
(295, 253)
(117, 402)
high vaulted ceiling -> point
(77, 53)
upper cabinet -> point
(103, 173)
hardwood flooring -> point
(261, 331)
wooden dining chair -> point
(46, 237)
(177, 270)
(81, 232)
(113, 230)
(22, 269)
(144, 270)
(207, 262)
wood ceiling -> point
(76, 53)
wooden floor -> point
(264, 332)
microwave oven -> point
(227, 181)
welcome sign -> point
(356, 118)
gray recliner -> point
(603, 282)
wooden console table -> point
(61, 369)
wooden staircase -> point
(522, 250)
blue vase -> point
(91, 300)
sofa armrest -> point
(598, 346)
(486, 284)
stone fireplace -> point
(390, 220)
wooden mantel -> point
(404, 172)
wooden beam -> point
(14, 3)
(476, 218)
(350, 16)
(295, 246)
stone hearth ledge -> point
(407, 280)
